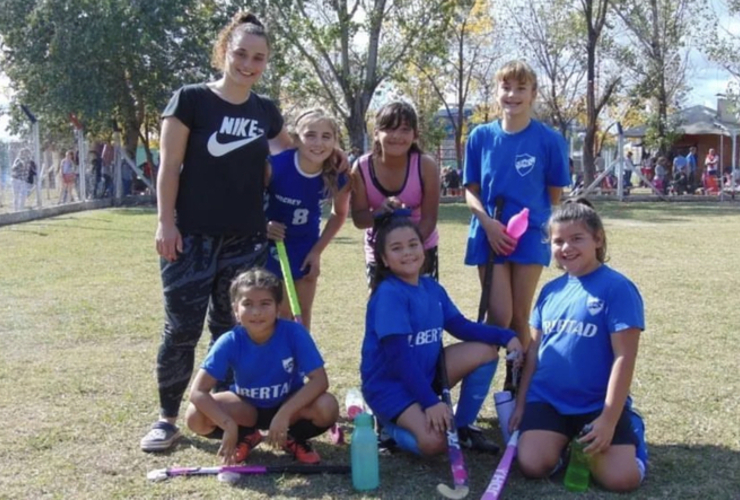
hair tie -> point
(384, 218)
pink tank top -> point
(411, 194)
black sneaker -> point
(386, 444)
(472, 438)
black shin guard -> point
(303, 430)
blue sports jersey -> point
(265, 374)
(398, 308)
(294, 198)
(577, 317)
(519, 167)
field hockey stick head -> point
(458, 492)
(460, 487)
(157, 475)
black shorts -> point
(264, 419)
(430, 269)
(544, 417)
(265, 416)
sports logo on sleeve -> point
(594, 305)
(525, 163)
(246, 128)
(288, 364)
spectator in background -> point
(97, 174)
(691, 162)
(599, 163)
(31, 177)
(679, 165)
(661, 174)
(711, 162)
(452, 182)
(19, 175)
(648, 169)
(629, 165)
(69, 177)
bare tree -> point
(550, 35)
(656, 32)
(451, 72)
(352, 46)
(594, 14)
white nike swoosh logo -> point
(217, 149)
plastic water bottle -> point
(577, 474)
(518, 224)
(505, 405)
(354, 404)
(364, 454)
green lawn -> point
(81, 316)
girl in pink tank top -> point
(397, 174)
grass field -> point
(81, 314)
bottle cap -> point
(363, 420)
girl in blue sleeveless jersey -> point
(579, 367)
(267, 356)
(406, 317)
(300, 179)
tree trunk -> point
(590, 138)
(357, 129)
(131, 138)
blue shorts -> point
(544, 417)
(297, 251)
(390, 404)
(533, 247)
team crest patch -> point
(525, 164)
(594, 305)
(288, 364)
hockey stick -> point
(457, 461)
(163, 474)
(295, 306)
(485, 295)
(496, 486)
(335, 432)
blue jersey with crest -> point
(577, 317)
(417, 312)
(265, 374)
(518, 167)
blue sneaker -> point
(638, 427)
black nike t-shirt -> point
(223, 173)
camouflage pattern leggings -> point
(196, 285)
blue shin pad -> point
(403, 438)
(474, 389)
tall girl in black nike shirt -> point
(215, 140)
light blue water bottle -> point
(364, 454)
